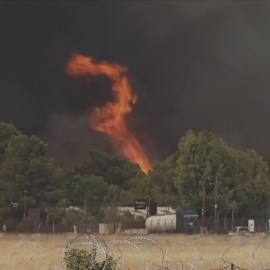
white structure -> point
(161, 210)
(163, 223)
(251, 227)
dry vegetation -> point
(23, 251)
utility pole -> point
(216, 186)
(24, 204)
(114, 207)
(203, 209)
(147, 206)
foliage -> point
(90, 192)
(57, 212)
(22, 226)
(78, 259)
(200, 160)
(141, 187)
(243, 178)
(162, 175)
(93, 190)
(6, 132)
(28, 176)
(115, 170)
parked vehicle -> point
(239, 230)
(185, 221)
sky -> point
(201, 65)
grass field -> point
(34, 252)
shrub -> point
(78, 259)
(23, 226)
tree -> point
(201, 159)
(115, 170)
(28, 176)
(57, 212)
(242, 178)
(254, 186)
(6, 132)
(162, 176)
(90, 192)
(141, 186)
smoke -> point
(199, 65)
(70, 139)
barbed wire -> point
(138, 248)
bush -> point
(23, 226)
(78, 259)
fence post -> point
(232, 266)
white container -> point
(161, 223)
(251, 227)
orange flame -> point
(110, 118)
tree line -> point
(202, 172)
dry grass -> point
(34, 252)
(31, 252)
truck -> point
(183, 221)
(239, 230)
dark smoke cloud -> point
(199, 65)
(70, 138)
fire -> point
(110, 118)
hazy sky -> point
(194, 65)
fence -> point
(145, 253)
(166, 258)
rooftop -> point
(161, 210)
